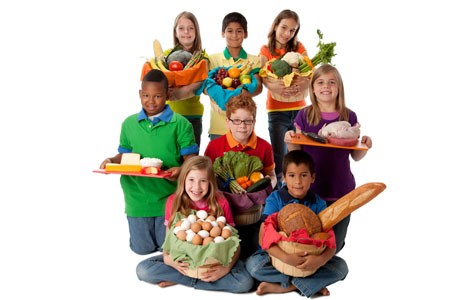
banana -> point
(152, 62)
(158, 50)
(247, 69)
(161, 65)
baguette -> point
(349, 203)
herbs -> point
(324, 56)
(233, 165)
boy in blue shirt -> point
(156, 131)
(298, 174)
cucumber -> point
(259, 185)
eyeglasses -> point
(238, 122)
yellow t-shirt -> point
(218, 124)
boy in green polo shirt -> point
(156, 131)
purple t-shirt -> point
(333, 176)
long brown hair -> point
(292, 43)
(197, 45)
(182, 202)
(313, 111)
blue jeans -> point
(214, 136)
(154, 270)
(260, 267)
(197, 126)
(278, 124)
(340, 230)
(146, 234)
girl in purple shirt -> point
(334, 177)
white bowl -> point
(151, 162)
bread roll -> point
(295, 216)
(349, 203)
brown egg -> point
(216, 231)
(200, 221)
(207, 226)
(196, 227)
(207, 240)
(226, 233)
(178, 223)
(197, 240)
(181, 234)
(210, 218)
(220, 224)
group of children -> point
(171, 130)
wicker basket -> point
(250, 216)
(298, 97)
(290, 247)
(197, 272)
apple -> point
(245, 76)
(227, 81)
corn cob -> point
(158, 50)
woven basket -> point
(197, 272)
(298, 97)
(290, 247)
(250, 216)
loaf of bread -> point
(295, 216)
(349, 203)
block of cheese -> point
(130, 159)
(122, 168)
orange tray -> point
(161, 174)
(301, 139)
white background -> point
(70, 75)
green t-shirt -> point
(168, 138)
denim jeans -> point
(197, 126)
(260, 267)
(214, 136)
(154, 270)
(340, 230)
(278, 124)
(146, 234)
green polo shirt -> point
(168, 137)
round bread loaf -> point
(295, 216)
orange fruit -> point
(234, 72)
(256, 176)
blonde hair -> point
(197, 45)
(241, 101)
(182, 202)
(313, 111)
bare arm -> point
(359, 154)
(115, 159)
(288, 140)
(184, 92)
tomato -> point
(175, 66)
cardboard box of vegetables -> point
(292, 64)
(201, 240)
(243, 184)
(180, 67)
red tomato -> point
(175, 66)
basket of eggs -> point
(201, 240)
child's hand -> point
(214, 273)
(174, 173)
(367, 141)
(311, 263)
(295, 259)
(105, 162)
(288, 136)
(181, 266)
